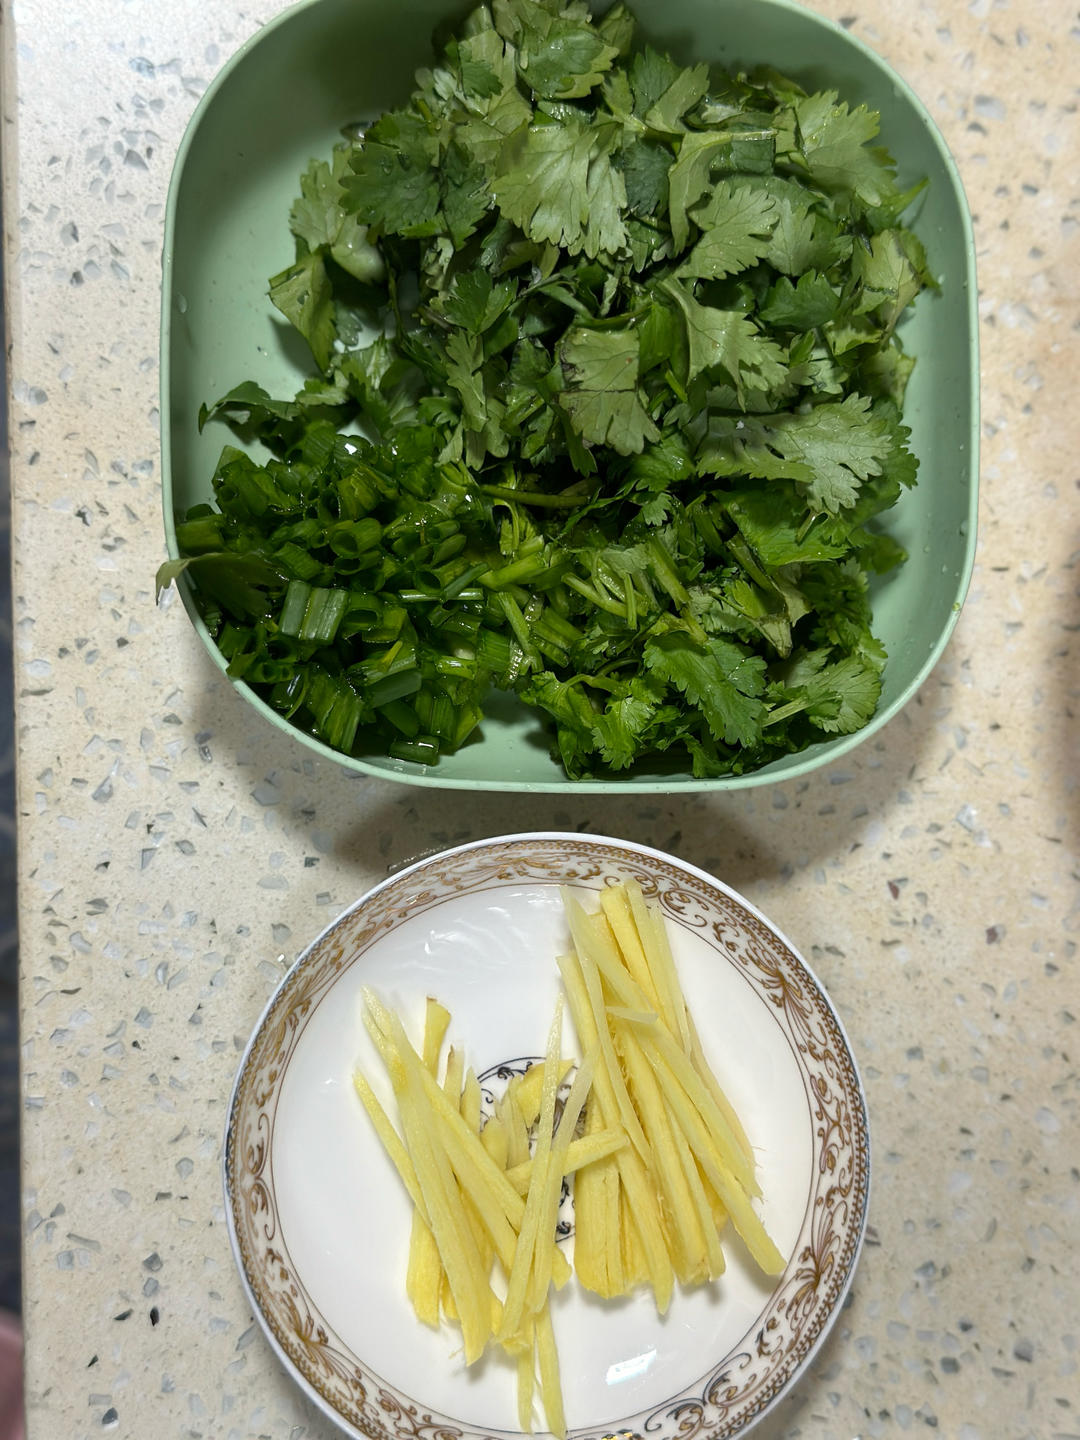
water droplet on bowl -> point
(181, 304)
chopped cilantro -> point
(606, 404)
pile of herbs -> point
(608, 399)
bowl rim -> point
(813, 757)
(588, 839)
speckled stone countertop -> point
(175, 855)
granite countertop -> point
(174, 854)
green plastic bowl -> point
(323, 64)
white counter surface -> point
(174, 854)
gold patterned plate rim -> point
(312, 1213)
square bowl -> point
(325, 64)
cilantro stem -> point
(520, 627)
(664, 571)
(539, 498)
(746, 558)
(594, 597)
(783, 712)
(596, 682)
(674, 386)
(533, 562)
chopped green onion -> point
(447, 549)
(447, 579)
(494, 651)
(297, 562)
(424, 749)
(401, 655)
(312, 613)
(354, 537)
(386, 631)
(196, 536)
(402, 716)
(455, 625)
(532, 563)
(395, 685)
(308, 532)
(365, 612)
(452, 666)
(437, 713)
(358, 491)
(288, 696)
(588, 592)
(336, 708)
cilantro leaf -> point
(541, 187)
(619, 727)
(645, 165)
(320, 219)
(569, 706)
(561, 54)
(464, 357)
(601, 396)
(303, 295)
(838, 697)
(727, 339)
(617, 27)
(317, 215)
(557, 182)
(688, 87)
(830, 449)
(606, 191)
(567, 62)
(841, 445)
(395, 186)
(767, 517)
(484, 135)
(476, 301)
(810, 302)
(652, 74)
(464, 194)
(885, 373)
(803, 236)
(886, 277)
(688, 179)
(736, 226)
(717, 676)
(834, 141)
(661, 465)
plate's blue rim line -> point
(404, 772)
(577, 837)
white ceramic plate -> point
(320, 1223)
